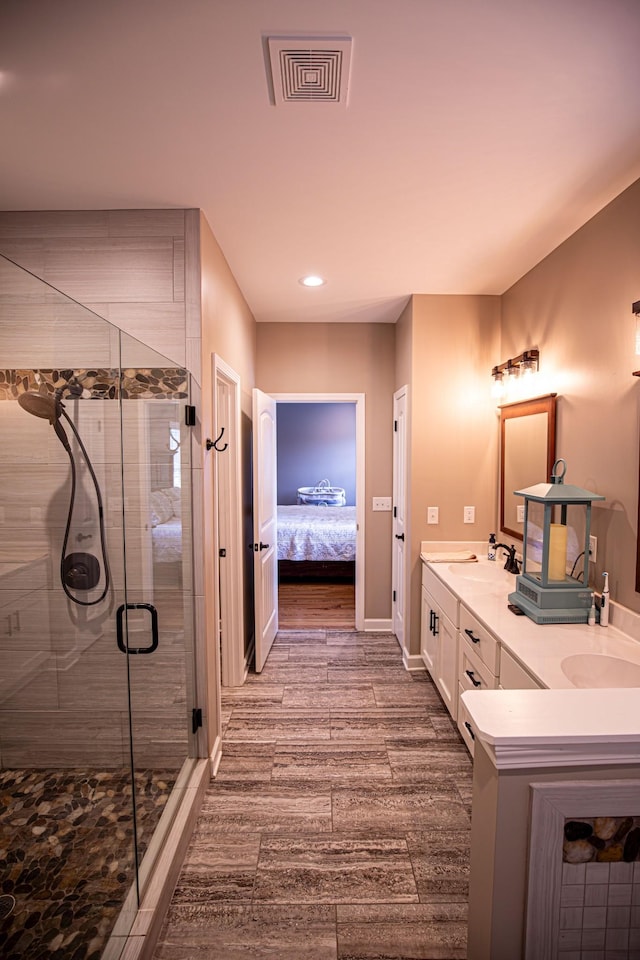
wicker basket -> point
(322, 495)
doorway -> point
(320, 467)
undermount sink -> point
(474, 571)
(597, 670)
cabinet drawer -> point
(483, 642)
(474, 674)
(464, 724)
(446, 600)
(513, 675)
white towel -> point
(454, 556)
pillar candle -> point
(557, 551)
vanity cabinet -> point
(481, 640)
(439, 637)
(478, 658)
(513, 675)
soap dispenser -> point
(491, 547)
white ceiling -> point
(478, 135)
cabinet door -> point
(428, 638)
(513, 676)
(446, 677)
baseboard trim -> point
(215, 756)
(378, 626)
(413, 662)
(149, 917)
(249, 658)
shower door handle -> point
(154, 627)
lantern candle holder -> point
(557, 523)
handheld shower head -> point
(48, 408)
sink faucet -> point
(512, 565)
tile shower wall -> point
(131, 268)
(126, 265)
(70, 667)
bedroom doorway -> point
(321, 531)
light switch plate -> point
(520, 513)
(433, 515)
(382, 503)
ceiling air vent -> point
(310, 69)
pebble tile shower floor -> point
(66, 856)
(338, 826)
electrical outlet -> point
(469, 514)
(593, 549)
(382, 503)
(520, 513)
(433, 515)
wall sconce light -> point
(520, 367)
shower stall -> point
(98, 719)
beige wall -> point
(575, 306)
(454, 342)
(345, 358)
(229, 330)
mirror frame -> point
(527, 408)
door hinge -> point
(394, 596)
(196, 719)
(395, 512)
(395, 426)
(189, 416)
(222, 552)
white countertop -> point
(540, 648)
(587, 721)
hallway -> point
(338, 827)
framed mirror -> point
(527, 454)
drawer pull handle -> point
(476, 683)
(470, 729)
(473, 639)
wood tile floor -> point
(338, 827)
(317, 605)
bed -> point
(166, 530)
(316, 542)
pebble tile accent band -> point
(168, 383)
(603, 839)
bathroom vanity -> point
(550, 714)
(470, 640)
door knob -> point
(399, 536)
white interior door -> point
(400, 526)
(265, 531)
(229, 549)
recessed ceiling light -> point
(312, 281)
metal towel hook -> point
(214, 443)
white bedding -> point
(167, 541)
(316, 533)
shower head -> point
(49, 408)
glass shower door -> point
(96, 627)
(155, 627)
(66, 813)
